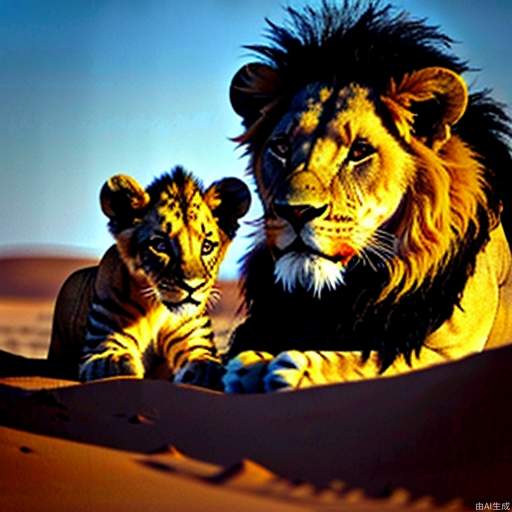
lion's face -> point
(331, 176)
(350, 174)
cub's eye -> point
(360, 150)
(279, 147)
(208, 247)
(158, 245)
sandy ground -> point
(25, 325)
(433, 440)
(28, 289)
(105, 479)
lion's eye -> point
(158, 245)
(208, 247)
(360, 150)
(279, 147)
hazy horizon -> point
(93, 88)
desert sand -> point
(438, 439)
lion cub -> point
(145, 305)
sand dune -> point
(436, 439)
(28, 288)
(88, 478)
(37, 277)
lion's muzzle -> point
(298, 214)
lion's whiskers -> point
(365, 258)
(381, 246)
(384, 236)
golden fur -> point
(447, 189)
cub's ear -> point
(229, 199)
(254, 88)
(426, 104)
(123, 201)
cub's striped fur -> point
(143, 309)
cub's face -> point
(180, 247)
(175, 244)
(331, 175)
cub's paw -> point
(204, 373)
(245, 372)
(286, 371)
(101, 366)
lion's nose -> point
(298, 214)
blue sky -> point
(91, 88)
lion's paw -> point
(245, 372)
(204, 373)
(286, 371)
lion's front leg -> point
(252, 372)
(258, 372)
(294, 369)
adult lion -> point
(382, 246)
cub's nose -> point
(193, 284)
(298, 214)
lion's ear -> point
(122, 200)
(253, 88)
(427, 103)
(229, 199)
